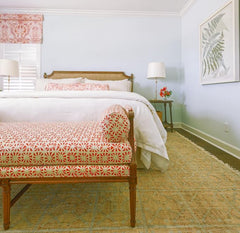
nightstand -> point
(166, 124)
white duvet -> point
(89, 105)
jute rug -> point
(197, 194)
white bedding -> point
(88, 105)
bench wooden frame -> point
(132, 180)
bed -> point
(72, 106)
(36, 127)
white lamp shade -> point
(156, 70)
(9, 67)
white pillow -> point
(118, 85)
(41, 83)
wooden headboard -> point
(94, 75)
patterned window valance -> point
(21, 28)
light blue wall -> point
(118, 43)
(206, 107)
(129, 43)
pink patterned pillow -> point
(76, 87)
(115, 124)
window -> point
(28, 57)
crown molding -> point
(186, 7)
(86, 12)
(48, 11)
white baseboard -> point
(177, 125)
(233, 150)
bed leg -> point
(6, 203)
(132, 192)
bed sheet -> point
(50, 106)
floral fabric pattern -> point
(21, 28)
(64, 171)
(76, 87)
(115, 124)
(59, 143)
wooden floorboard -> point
(220, 154)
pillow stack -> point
(76, 87)
(88, 84)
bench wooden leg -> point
(132, 192)
(6, 203)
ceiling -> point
(134, 6)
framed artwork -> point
(219, 45)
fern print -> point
(213, 45)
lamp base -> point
(155, 89)
(8, 82)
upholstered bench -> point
(68, 152)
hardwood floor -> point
(222, 155)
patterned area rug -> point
(197, 194)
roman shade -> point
(21, 28)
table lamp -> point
(156, 70)
(9, 68)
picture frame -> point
(219, 45)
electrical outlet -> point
(226, 127)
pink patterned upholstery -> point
(64, 171)
(115, 124)
(64, 152)
(59, 143)
(76, 87)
